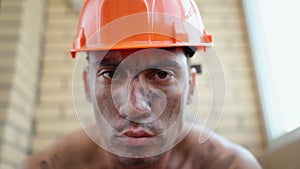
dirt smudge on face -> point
(44, 165)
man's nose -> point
(136, 106)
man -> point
(139, 82)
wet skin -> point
(139, 98)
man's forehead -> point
(111, 55)
(119, 55)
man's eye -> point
(161, 76)
(108, 74)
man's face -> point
(139, 97)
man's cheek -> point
(105, 104)
(173, 111)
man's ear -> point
(86, 81)
(192, 83)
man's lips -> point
(137, 137)
(138, 134)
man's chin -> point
(139, 162)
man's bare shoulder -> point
(216, 152)
(71, 151)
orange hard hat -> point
(127, 24)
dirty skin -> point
(53, 161)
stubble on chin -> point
(139, 162)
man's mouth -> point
(137, 137)
(138, 134)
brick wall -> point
(55, 114)
(20, 38)
(241, 121)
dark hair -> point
(189, 51)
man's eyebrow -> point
(105, 62)
(163, 63)
(166, 63)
